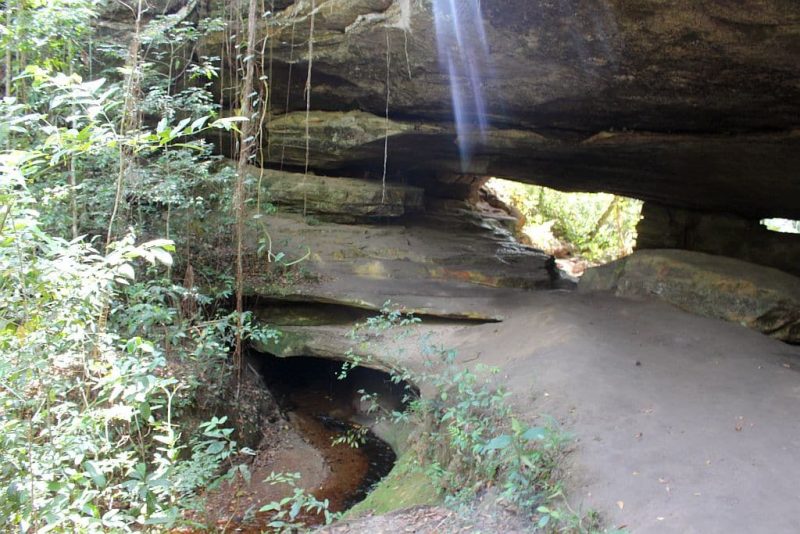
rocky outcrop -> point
(761, 298)
(339, 199)
(446, 262)
(350, 245)
(724, 234)
(686, 103)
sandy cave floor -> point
(679, 423)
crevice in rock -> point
(308, 311)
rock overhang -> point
(686, 103)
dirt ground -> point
(679, 423)
(234, 506)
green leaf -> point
(162, 256)
(94, 85)
(216, 447)
(181, 125)
(162, 518)
(228, 123)
(97, 477)
(198, 123)
(516, 426)
(126, 270)
(500, 442)
(166, 244)
(534, 434)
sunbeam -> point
(464, 51)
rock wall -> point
(723, 234)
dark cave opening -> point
(325, 406)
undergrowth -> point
(468, 439)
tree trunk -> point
(245, 149)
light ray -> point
(463, 48)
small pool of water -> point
(323, 408)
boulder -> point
(758, 297)
(724, 234)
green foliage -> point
(99, 362)
(48, 33)
(88, 432)
(787, 226)
(471, 440)
(596, 226)
(286, 515)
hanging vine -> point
(245, 149)
(130, 115)
(307, 93)
(386, 133)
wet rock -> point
(761, 298)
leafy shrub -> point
(470, 440)
(87, 426)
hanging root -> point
(386, 134)
(308, 100)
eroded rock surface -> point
(761, 298)
(353, 245)
(340, 199)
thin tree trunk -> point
(73, 197)
(129, 117)
(603, 218)
(73, 181)
(8, 48)
(245, 148)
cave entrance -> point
(323, 408)
(783, 226)
(580, 229)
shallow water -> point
(322, 408)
